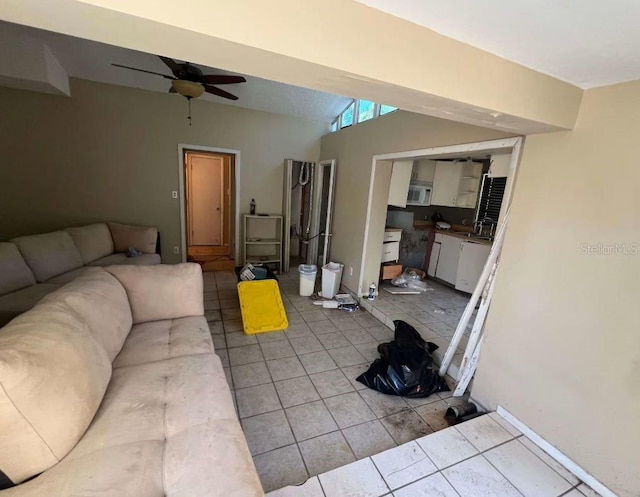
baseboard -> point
(569, 464)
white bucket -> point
(307, 279)
(331, 279)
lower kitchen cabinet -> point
(457, 261)
(448, 259)
(473, 257)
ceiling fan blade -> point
(177, 71)
(221, 93)
(144, 70)
(221, 79)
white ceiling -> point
(92, 61)
(585, 42)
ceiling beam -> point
(338, 46)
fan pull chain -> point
(189, 100)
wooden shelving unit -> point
(262, 239)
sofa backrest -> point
(93, 241)
(142, 238)
(53, 376)
(98, 299)
(49, 254)
(14, 272)
(162, 291)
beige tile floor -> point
(482, 457)
(301, 409)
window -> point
(366, 110)
(490, 201)
(385, 109)
(347, 116)
(359, 111)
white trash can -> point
(308, 274)
(331, 278)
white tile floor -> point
(484, 457)
(301, 409)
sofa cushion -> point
(14, 272)
(49, 254)
(140, 260)
(65, 278)
(53, 375)
(160, 340)
(93, 241)
(185, 405)
(15, 303)
(141, 238)
(162, 291)
(101, 302)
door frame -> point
(182, 148)
(513, 144)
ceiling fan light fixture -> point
(188, 89)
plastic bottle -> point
(372, 291)
(252, 207)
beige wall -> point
(385, 59)
(111, 152)
(354, 149)
(562, 349)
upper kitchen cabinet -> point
(400, 178)
(499, 167)
(424, 170)
(456, 184)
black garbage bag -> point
(405, 367)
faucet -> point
(479, 224)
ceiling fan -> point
(189, 81)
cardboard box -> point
(419, 272)
(390, 270)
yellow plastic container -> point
(261, 307)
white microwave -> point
(419, 193)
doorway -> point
(307, 210)
(209, 214)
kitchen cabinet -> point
(446, 181)
(472, 258)
(447, 267)
(499, 167)
(400, 178)
(423, 170)
(456, 184)
(458, 261)
(390, 251)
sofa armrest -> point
(162, 291)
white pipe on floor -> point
(471, 305)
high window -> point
(359, 111)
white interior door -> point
(322, 218)
(206, 182)
(286, 214)
(331, 166)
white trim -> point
(569, 464)
(513, 144)
(182, 147)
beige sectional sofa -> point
(34, 266)
(111, 387)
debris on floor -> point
(405, 367)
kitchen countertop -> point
(463, 236)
